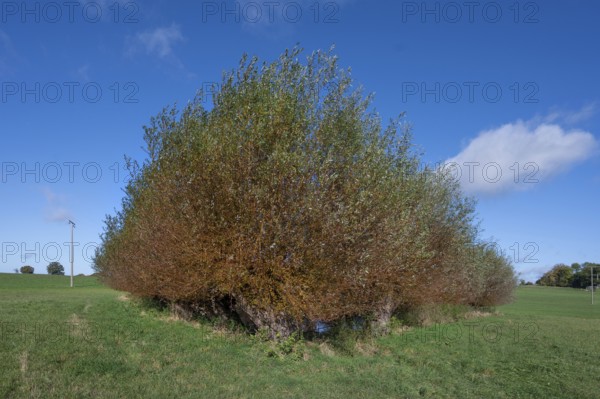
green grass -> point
(89, 341)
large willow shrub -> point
(287, 203)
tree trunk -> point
(279, 325)
(383, 315)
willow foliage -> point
(287, 203)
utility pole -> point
(72, 250)
(592, 281)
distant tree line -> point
(288, 204)
(577, 275)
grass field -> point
(90, 341)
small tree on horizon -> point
(56, 269)
(27, 269)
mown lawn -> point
(90, 341)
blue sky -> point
(504, 93)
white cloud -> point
(158, 42)
(55, 210)
(517, 155)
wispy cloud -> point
(515, 155)
(82, 73)
(158, 42)
(55, 210)
(584, 114)
(568, 117)
(7, 53)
